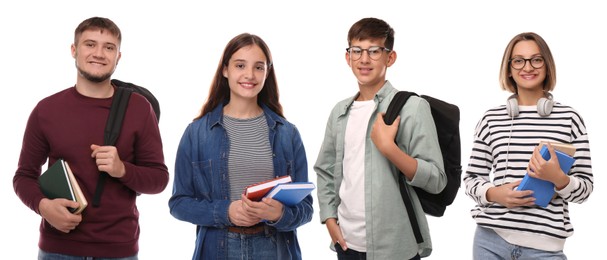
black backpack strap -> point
(113, 125)
(393, 110)
(116, 116)
(398, 101)
(142, 91)
(404, 193)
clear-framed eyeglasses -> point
(374, 52)
(519, 63)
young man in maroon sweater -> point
(70, 125)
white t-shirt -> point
(351, 211)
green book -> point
(59, 182)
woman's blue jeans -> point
(488, 245)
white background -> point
(449, 49)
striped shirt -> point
(502, 147)
(250, 156)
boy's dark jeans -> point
(350, 254)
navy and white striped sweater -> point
(500, 154)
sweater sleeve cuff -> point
(483, 193)
(573, 183)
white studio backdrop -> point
(448, 49)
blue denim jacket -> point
(201, 190)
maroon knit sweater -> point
(64, 125)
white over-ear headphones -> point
(544, 105)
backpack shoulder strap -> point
(142, 91)
(114, 121)
(113, 125)
(393, 110)
(397, 103)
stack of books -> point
(543, 190)
(282, 189)
(58, 181)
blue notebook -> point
(291, 193)
(543, 191)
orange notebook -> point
(256, 191)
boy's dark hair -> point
(98, 23)
(372, 28)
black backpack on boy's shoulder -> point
(113, 125)
(142, 91)
(446, 118)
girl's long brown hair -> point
(219, 92)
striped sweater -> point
(502, 148)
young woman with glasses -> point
(509, 223)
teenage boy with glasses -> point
(358, 163)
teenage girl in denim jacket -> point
(240, 138)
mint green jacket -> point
(389, 234)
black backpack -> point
(120, 102)
(446, 118)
(140, 90)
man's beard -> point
(94, 78)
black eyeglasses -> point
(519, 63)
(374, 52)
